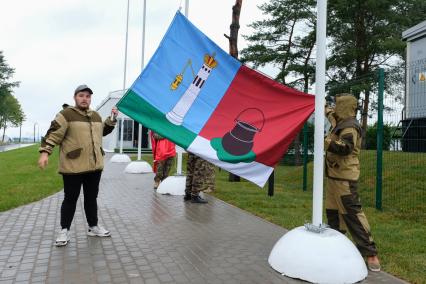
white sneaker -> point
(98, 231)
(63, 238)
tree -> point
(233, 48)
(10, 113)
(280, 40)
(10, 110)
(6, 73)
(286, 41)
(371, 137)
(365, 35)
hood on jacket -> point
(346, 105)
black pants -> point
(72, 186)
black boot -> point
(197, 199)
(187, 197)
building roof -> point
(112, 95)
(415, 32)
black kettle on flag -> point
(240, 139)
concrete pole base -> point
(120, 158)
(325, 257)
(173, 185)
(138, 167)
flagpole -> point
(142, 65)
(124, 77)
(318, 186)
(338, 260)
(140, 166)
(186, 8)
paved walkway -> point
(4, 148)
(155, 239)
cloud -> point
(56, 45)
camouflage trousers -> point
(200, 175)
(344, 211)
(163, 169)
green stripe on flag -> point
(140, 110)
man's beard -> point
(83, 107)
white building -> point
(414, 115)
(415, 96)
(111, 142)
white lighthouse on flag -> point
(177, 114)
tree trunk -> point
(234, 28)
(362, 64)
(364, 118)
(4, 131)
(233, 48)
(296, 143)
(297, 156)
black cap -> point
(82, 88)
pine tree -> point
(285, 40)
(366, 35)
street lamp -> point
(35, 131)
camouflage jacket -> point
(79, 136)
(343, 146)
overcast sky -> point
(56, 45)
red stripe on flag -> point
(277, 111)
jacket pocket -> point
(74, 154)
(102, 151)
(332, 161)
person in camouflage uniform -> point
(343, 205)
(200, 176)
(164, 153)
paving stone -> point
(155, 239)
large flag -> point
(198, 96)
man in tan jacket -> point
(78, 131)
(343, 205)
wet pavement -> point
(4, 148)
(155, 239)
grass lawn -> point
(22, 182)
(400, 234)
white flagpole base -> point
(138, 167)
(326, 257)
(120, 158)
(173, 185)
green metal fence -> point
(393, 159)
(404, 144)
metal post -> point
(379, 166)
(319, 113)
(124, 77)
(305, 153)
(271, 183)
(35, 131)
(186, 8)
(305, 156)
(121, 135)
(179, 163)
(125, 46)
(142, 65)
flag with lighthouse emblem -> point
(201, 98)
